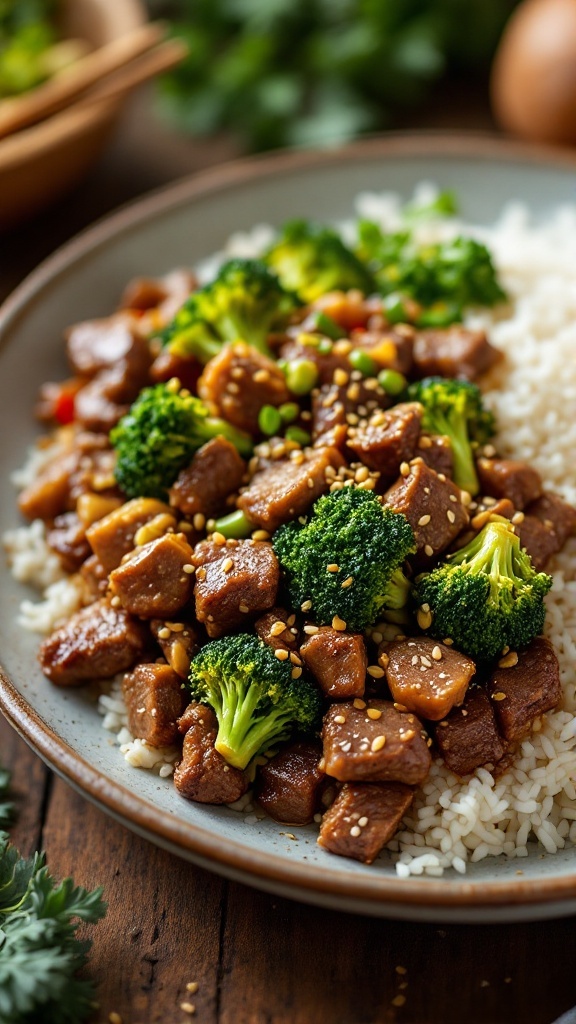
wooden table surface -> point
(257, 959)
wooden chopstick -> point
(90, 73)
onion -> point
(534, 72)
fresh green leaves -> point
(39, 952)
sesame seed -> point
(261, 376)
(189, 569)
(442, 477)
(333, 567)
(175, 627)
(347, 582)
(361, 474)
(114, 1018)
(423, 618)
(414, 659)
(310, 630)
(115, 602)
(243, 608)
(164, 633)
(447, 642)
(437, 653)
(518, 518)
(499, 695)
(399, 1000)
(277, 627)
(281, 653)
(201, 574)
(424, 520)
(374, 714)
(227, 564)
(294, 658)
(450, 515)
(509, 660)
(233, 388)
(338, 623)
(359, 703)
(339, 719)
(384, 659)
(355, 831)
(400, 707)
(425, 607)
(218, 538)
(401, 970)
(428, 550)
(296, 673)
(377, 744)
(310, 482)
(363, 821)
(305, 606)
(404, 469)
(425, 442)
(340, 377)
(375, 671)
(192, 987)
(188, 1008)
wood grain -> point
(28, 790)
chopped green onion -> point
(301, 376)
(289, 412)
(361, 361)
(269, 420)
(301, 437)
(234, 525)
(392, 382)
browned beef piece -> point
(436, 451)
(525, 690)
(285, 489)
(379, 807)
(113, 536)
(239, 381)
(95, 643)
(215, 472)
(336, 405)
(234, 582)
(169, 292)
(468, 737)
(547, 524)
(152, 582)
(179, 646)
(509, 478)
(67, 537)
(93, 469)
(337, 661)
(106, 398)
(305, 347)
(97, 345)
(454, 351)
(289, 785)
(155, 700)
(268, 629)
(425, 676)
(168, 365)
(49, 494)
(361, 748)
(431, 505)
(203, 775)
(95, 579)
(388, 438)
(83, 462)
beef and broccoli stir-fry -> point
(295, 535)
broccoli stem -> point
(397, 591)
(464, 472)
(495, 553)
(241, 736)
(214, 426)
(188, 344)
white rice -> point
(452, 821)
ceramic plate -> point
(179, 226)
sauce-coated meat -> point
(203, 775)
(112, 537)
(337, 661)
(155, 700)
(285, 489)
(427, 677)
(388, 438)
(363, 818)
(361, 748)
(215, 472)
(509, 478)
(454, 351)
(239, 381)
(289, 785)
(432, 505)
(234, 582)
(526, 689)
(95, 643)
(468, 737)
(153, 582)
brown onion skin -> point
(533, 85)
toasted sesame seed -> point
(400, 707)
(374, 714)
(377, 744)
(227, 564)
(281, 653)
(404, 469)
(444, 724)
(175, 627)
(375, 671)
(189, 569)
(425, 661)
(188, 1008)
(447, 641)
(450, 515)
(361, 474)
(428, 550)
(115, 601)
(305, 606)
(201, 574)
(338, 623)
(437, 653)
(424, 520)
(401, 970)
(233, 388)
(333, 567)
(398, 1000)
(261, 376)
(359, 703)
(425, 442)
(355, 831)
(518, 518)
(260, 535)
(347, 582)
(310, 482)
(339, 719)
(499, 695)
(192, 987)
(425, 607)
(414, 659)
(164, 633)
(295, 659)
(363, 821)
(384, 659)
(423, 618)
(243, 608)
(277, 627)
(442, 477)
(218, 538)
(296, 672)
(509, 660)
(310, 630)
(114, 1018)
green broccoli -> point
(312, 260)
(455, 408)
(256, 700)
(346, 559)
(245, 302)
(445, 278)
(159, 435)
(487, 596)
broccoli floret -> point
(256, 701)
(346, 559)
(159, 435)
(455, 408)
(311, 259)
(487, 596)
(245, 302)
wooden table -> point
(256, 959)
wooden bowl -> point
(40, 163)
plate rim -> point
(112, 796)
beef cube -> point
(156, 580)
(388, 438)
(94, 579)
(203, 775)
(67, 537)
(105, 399)
(169, 364)
(547, 524)
(363, 818)
(169, 292)
(337, 661)
(113, 536)
(433, 507)
(268, 629)
(97, 345)
(239, 381)
(289, 786)
(509, 478)
(427, 677)
(178, 642)
(234, 582)
(454, 351)
(94, 643)
(49, 494)
(287, 488)
(362, 745)
(155, 700)
(526, 689)
(436, 451)
(215, 472)
(341, 405)
(469, 737)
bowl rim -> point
(183, 837)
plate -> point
(179, 226)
